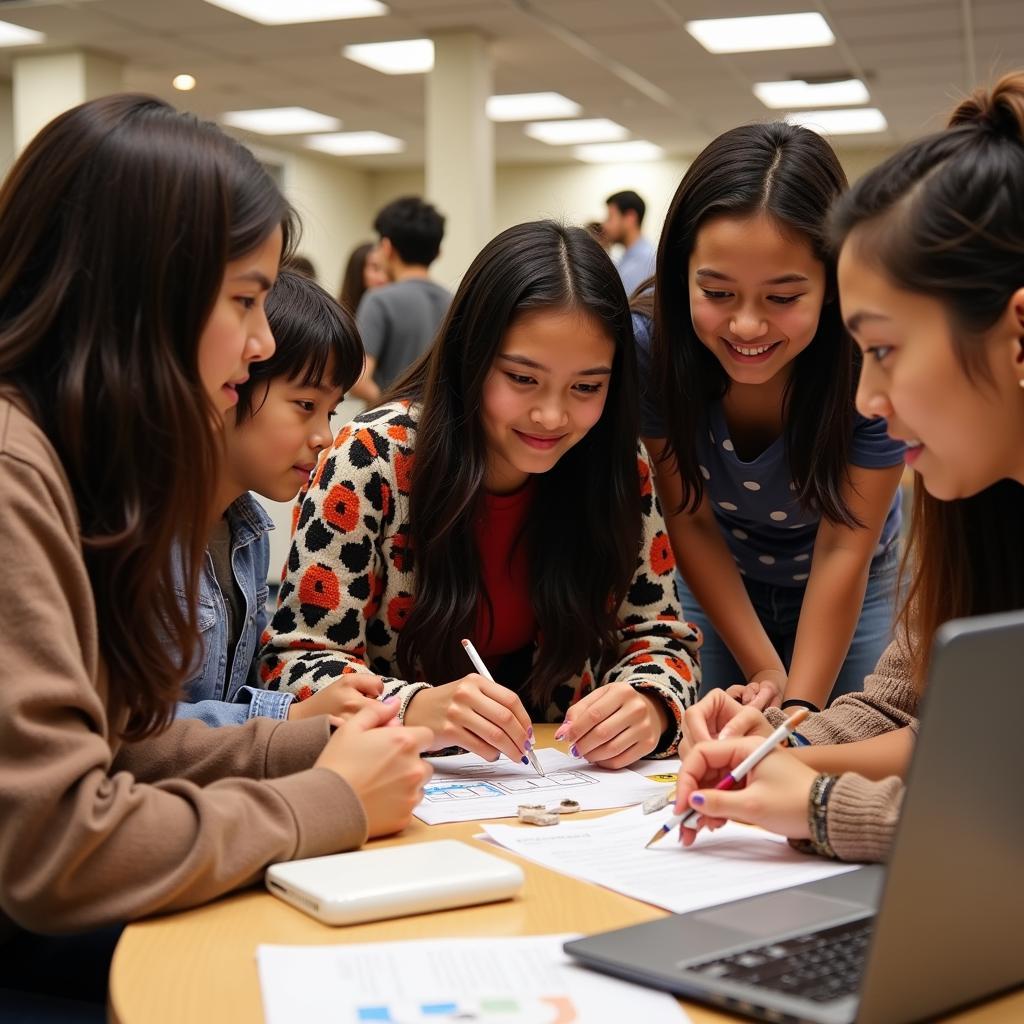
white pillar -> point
(46, 84)
(460, 149)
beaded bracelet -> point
(817, 813)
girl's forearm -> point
(828, 620)
(876, 758)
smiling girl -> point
(781, 501)
(499, 496)
(931, 275)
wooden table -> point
(200, 965)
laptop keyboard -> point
(822, 966)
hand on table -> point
(474, 713)
(345, 696)
(382, 764)
(774, 795)
(614, 725)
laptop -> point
(940, 928)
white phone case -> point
(393, 881)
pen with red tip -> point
(689, 817)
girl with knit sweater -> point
(931, 278)
(500, 495)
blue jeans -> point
(778, 608)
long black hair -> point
(793, 175)
(116, 225)
(943, 217)
(585, 527)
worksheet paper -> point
(729, 864)
(660, 769)
(527, 980)
(465, 787)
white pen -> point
(478, 664)
(689, 817)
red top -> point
(506, 578)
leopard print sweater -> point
(348, 585)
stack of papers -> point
(729, 864)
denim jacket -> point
(216, 696)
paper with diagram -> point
(465, 787)
(526, 980)
(730, 864)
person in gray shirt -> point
(398, 321)
(622, 227)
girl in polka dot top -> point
(782, 502)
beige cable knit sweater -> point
(862, 814)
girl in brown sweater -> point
(931, 278)
(137, 246)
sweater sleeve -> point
(862, 815)
(657, 649)
(338, 569)
(87, 838)
(888, 702)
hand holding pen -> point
(474, 713)
(739, 756)
(530, 756)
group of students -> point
(797, 344)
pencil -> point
(689, 816)
(478, 664)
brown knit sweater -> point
(96, 831)
(862, 814)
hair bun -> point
(1000, 110)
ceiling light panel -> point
(796, 95)
(281, 121)
(619, 152)
(858, 121)
(401, 57)
(531, 106)
(296, 12)
(15, 35)
(766, 32)
(564, 133)
(356, 144)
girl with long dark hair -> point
(137, 245)
(931, 276)
(780, 500)
(498, 495)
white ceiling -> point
(629, 60)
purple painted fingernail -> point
(390, 700)
(527, 745)
(696, 798)
(529, 732)
(525, 760)
(574, 751)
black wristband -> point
(797, 702)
